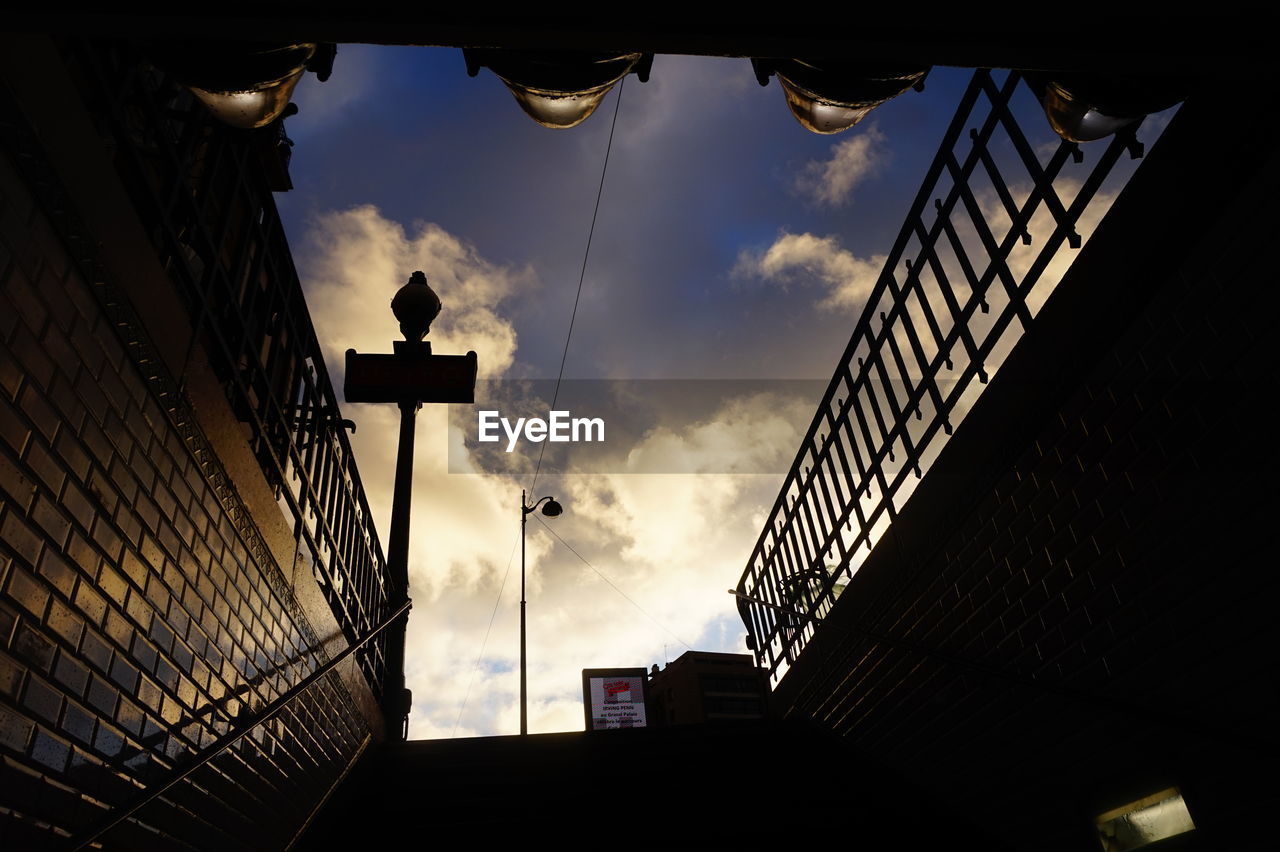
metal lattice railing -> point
(204, 191)
(963, 281)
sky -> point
(730, 243)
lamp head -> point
(552, 509)
(827, 96)
(556, 89)
(246, 85)
(415, 305)
(1084, 107)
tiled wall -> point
(1087, 615)
(135, 620)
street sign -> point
(410, 377)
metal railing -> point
(204, 192)
(242, 729)
(963, 281)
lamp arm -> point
(527, 509)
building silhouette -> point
(1071, 612)
(701, 687)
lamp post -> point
(415, 305)
(552, 509)
(410, 376)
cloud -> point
(1022, 256)
(749, 434)
(667, 545)
(853, 160)
(355, 261)
(806, 258)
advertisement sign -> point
(614, 698)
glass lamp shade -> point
(827, 97)
(818, 115)
(557, 109)
(1075, 120)
(557, 90)
(1084, 108)
(245, 85)
(252, 108)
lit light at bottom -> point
(1145, 821)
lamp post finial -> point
(416, 306)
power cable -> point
(595, 213)
(583, 274)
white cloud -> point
(852, 161)
(1022, 256)
(671, 543)
(806, 258)
(355, 261)
(755, 433)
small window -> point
(1145, 821)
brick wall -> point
(137, 616)
(1076, 608)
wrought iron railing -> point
(964, 279)
(204, 191)
(241, 729)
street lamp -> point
(552, 509)
(410, 376)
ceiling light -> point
(1083, 108)
(558, 89)
(245, 85)
(827, 96)
(1149, 819)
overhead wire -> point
(595, 213)
(583, 273)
